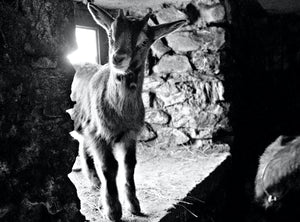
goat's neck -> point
(118, 92)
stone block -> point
(146, 99)
(169, 14)
(173, 63)
(217, 91)
(183, 115)
(208, 2)
(219, 37)
(211, 38)
(189, 115)
(206, 62)
(217, 109)
(147, 133)
(200, 98)
(211, 13)
(171, 136)
(209, 92)
(206, 119)
(159, 49)
(152, 82)
(169, 94)
(204, 133)
(204, 37)
(192, 118)
(188, 87)
(182, 41)
(158, 117)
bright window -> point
(88, 47)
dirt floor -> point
(163, 178)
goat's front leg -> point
(107, 168)
(125, 152)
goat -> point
(109, 112)
(278, 173)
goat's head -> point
(129, 38)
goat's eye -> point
(111, 36)
(142, 40)
(142, 44)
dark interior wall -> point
(263, 86)
(36, 151)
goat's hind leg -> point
(88, 166)
(125, 152)
(86, 161)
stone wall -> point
(36, 151)
(184, 89)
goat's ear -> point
(165, 29)
(100, 16)
(120, 13)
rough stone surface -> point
(169, 14)
(206, 62)
(182, 41)
(169, 94)
(36, 151)
(159, 49)
(174, 63)
(219, 37)
(187, 79)
(183, 115)
(208, 2)
(157, 117)
(146, 99)
(211, 91)
(152, 82)
(147, 133)
(44, 63)
(171, 136)
(52, 26)
(211, 14)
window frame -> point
(84, 19)
(97, 39)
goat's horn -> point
(147, 16)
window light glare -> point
(87, 47)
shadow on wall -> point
(263, 85)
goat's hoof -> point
(96, 184)
(134, 207)
(94, 181)
(113, 213)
